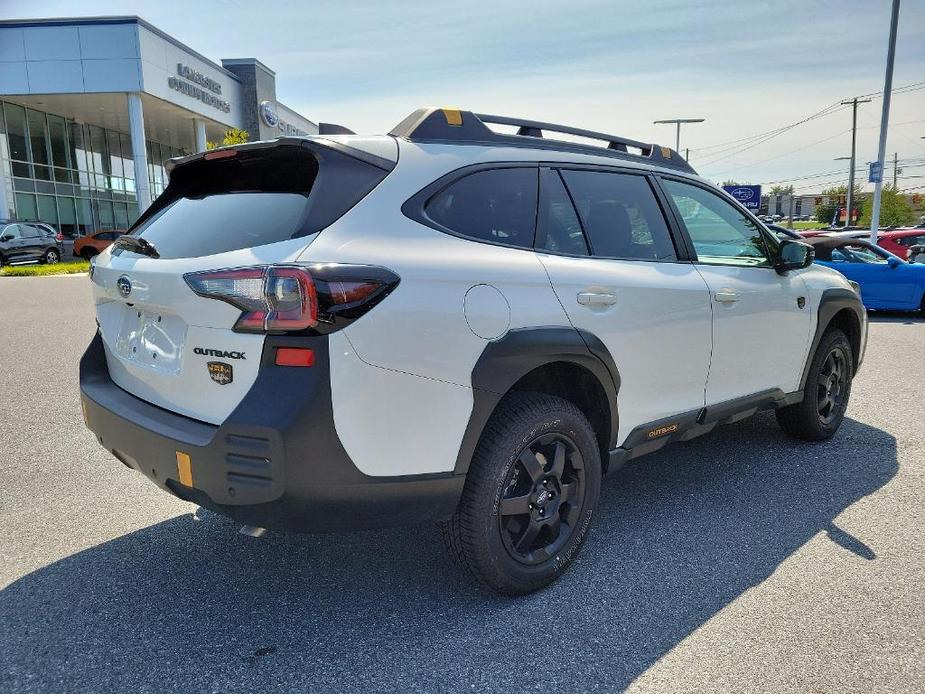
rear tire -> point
(826, 393)
(530, 495)
(51, 257)
(88, 253)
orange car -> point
(93, 244)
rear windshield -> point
(254, 198)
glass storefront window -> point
(115, 160)
(47, 210)
(16, 136)
(121, 215)
(128, 165)
(38, 139)
(105, 214)
(57, 135)
(84, 216)
(26, 208)
(67, 217)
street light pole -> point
(677, 122)
(854, 136)
(884, 121)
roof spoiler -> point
(450, 125)
(333, 129)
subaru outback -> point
(451, 323)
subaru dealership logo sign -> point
(268, 113)
(749, 196)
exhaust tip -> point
(252, 531)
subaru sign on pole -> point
(750, 196)
(875, 173)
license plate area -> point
(151, 338)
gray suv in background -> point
(24, 242)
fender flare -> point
(832, 301)
(505, 361)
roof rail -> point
(449, 125)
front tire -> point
(826, 393)
(530, 495)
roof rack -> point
(449, 125)
(333, 129)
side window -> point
(863, 254)
(620, 214)
(106, 236)
(12, 231)
(27, 231)
(721, 233)
(497, 205)
(557, 226)
(838, 256)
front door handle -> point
(727, 296)
(597, 299)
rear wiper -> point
(136, 244)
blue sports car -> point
(887, 281)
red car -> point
(898, 241)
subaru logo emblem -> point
(743, 194)
(268, 113)
(125, 286)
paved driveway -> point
(741, 561)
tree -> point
(730, 182)
(895, 211)
(233, 136)
(782, 190)
(831, 198)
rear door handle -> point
(597, 299)
(727, 296)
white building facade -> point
(91, 108)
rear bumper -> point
(276, 462)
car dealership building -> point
(91, 108)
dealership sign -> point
(269, 116)
(198, 86)
(749, 196)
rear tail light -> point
(294, 298)
(59, 236)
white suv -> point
(449, 324)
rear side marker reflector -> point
(185, 469)
(294, 356)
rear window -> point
(497, 205)
(255, 198)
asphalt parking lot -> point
(741, 561)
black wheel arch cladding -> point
(505, 362)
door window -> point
(557, 227)
(620, 215)
(496, 205)
(12, 231)
(863, 254)
(721, 233)
(28, 231)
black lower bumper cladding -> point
(276, 462)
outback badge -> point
(220, 372)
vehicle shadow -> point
(906, 317)
(189, 605)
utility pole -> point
(677, 122)
(854, 136)
(884, 121)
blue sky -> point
(747, 67)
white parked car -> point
(449, 324)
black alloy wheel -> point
(542, 499)
(831, 391)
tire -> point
(512, 533)
(88, 253)
(51, 257)
(826, 394)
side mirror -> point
(794, 255)
(893, 262)
(6, 238)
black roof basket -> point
(453, 126)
